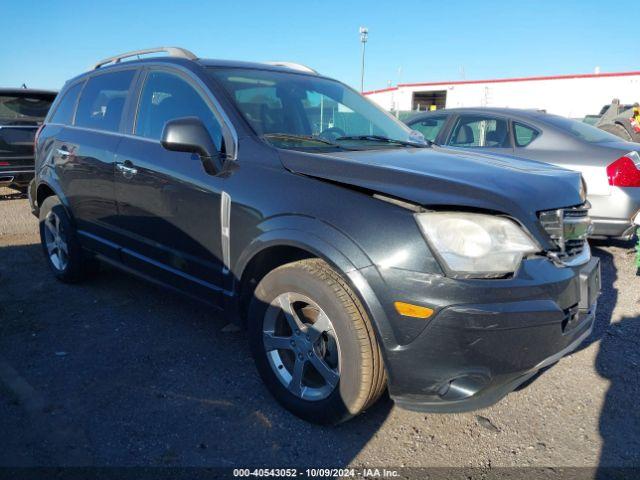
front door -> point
(169, 208)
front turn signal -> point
(414, 311)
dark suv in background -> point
(21, 113)
(358, 255)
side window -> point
(524, 135)
(66, 107)
(429, 127)
(479, 131)
(102, 101)
(167, 96)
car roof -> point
(287, 67)
(210, 62)
(510, 112)
(26, 92)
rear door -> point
(485, 132)
(169, 207)
(20, 116)
(84, 157)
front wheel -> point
(313, 343)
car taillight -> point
(35, 139)
(624, 171)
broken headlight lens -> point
(476, 245)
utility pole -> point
(364, 35)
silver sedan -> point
(610, 166)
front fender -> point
(333, 246)
(305, 232)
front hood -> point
(440, 177)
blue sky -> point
(45, 43)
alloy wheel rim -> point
(301, 346)
(55, 242)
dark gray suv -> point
(358, 256)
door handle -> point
(127, 169)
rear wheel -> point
(617, 130)
(60, 243)
(313, 343)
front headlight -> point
(476, 245)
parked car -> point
(357, 257)
(21, 113)
(609, 165)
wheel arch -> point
(278, 247)
(45, 189)
(275, 248)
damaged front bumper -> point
(489, 337)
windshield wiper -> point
(380, 138)
(307, 138)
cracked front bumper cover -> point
(498, 387)
(470, 355)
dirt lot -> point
(117, 372)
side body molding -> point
(225, 230)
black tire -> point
(71, 266)
(617, 130)
(362, 377)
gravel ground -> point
(115, 372)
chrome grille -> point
(568, 228)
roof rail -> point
(172, 51)
(293, 66)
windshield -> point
(300, 111)
(581, 130)
(15, 107)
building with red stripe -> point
(569, 95)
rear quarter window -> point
(103, 99)
(524, 135)
(67, 106)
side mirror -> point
(188, 134)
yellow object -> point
(415, 311)
(432, 108)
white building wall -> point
(570, 97)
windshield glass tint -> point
(308, 111)
(20, 107)
(581, 130)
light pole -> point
(364, 35)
